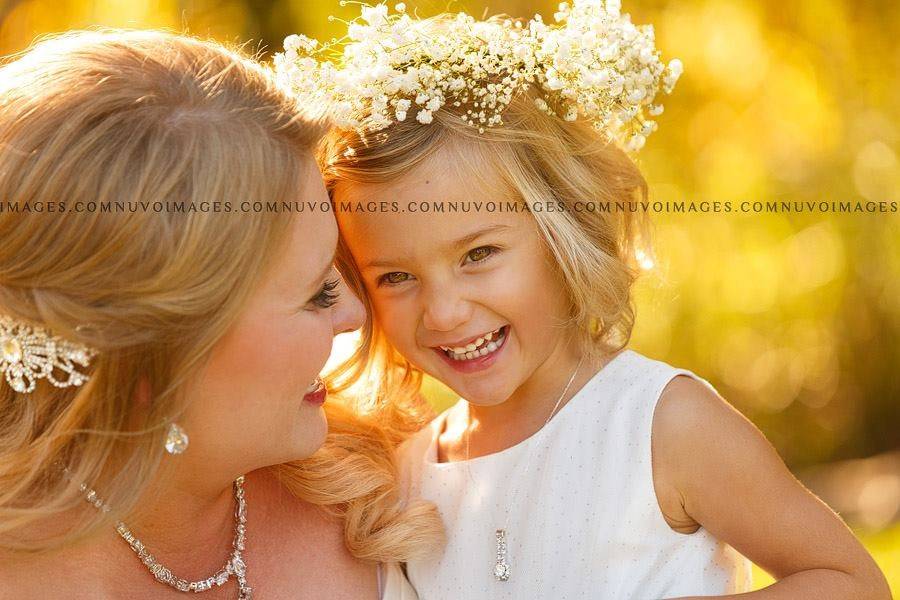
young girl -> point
(465, 174)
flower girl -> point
(481, 174)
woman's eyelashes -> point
(478, 255)
(327, 295)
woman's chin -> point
(311, 433)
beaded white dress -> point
(585, 522)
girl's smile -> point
(477, 353)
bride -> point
(162, 421)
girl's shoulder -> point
(697, 437)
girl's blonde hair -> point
(594, 243)
(137, 117)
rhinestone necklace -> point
(502, 568)
(234, 566)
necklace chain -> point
(234, 566)
(502, 568)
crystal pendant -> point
(501, 568)
(176, 439)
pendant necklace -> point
(502, 569)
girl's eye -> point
(480, 254)
(328, 295)
(393, 278)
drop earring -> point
(176, 439)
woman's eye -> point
(479, 254)
(393, 278)
(328, 295)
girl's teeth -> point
(476, 349)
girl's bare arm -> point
(714, 467)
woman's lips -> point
(317, 393)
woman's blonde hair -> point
(92, 119)
(594, 243)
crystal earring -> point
(176, 439)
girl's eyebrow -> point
(468, 239)
(461, 242)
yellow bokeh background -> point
(793, 316)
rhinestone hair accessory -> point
(28, 354)
(591, 64)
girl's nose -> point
(444, 310)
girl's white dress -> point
(583, 520)
(392, 583)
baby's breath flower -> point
(593, 63)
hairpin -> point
(28, 354)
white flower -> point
(400, 7)
(614, 8)
(676, 67)
(424, 117)
(456, 84)
(554, 82)
(375, 15)
(357, 31)
(636, 142)
(635, 96)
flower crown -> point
(593, 64)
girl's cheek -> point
(398, 321)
